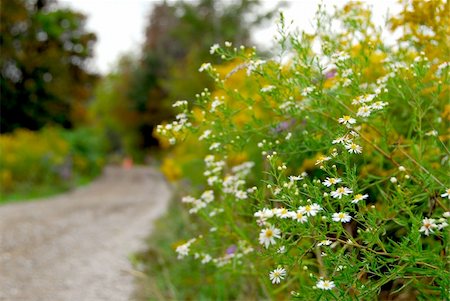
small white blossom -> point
(204, 66)
(180, 103)
(340, 57)
(379, 105)
(281, 250)
(364, 111)
(322, 159)
(216, 102)
(214, 48)
(295, 178)
(338, 193)
(208, 196)
(300, 216)
(310, 210)
(354, 148)
(187, 199)
(267, 88)
(307, 91)
(344, 140)
(205, 135)
(284, 213)
(347, 120)
(325, 284)
(206, 258)
(324, 243)
(446, 193)
(331, 181)
(442, 223)
(264, 214)
(343, 217)
(428, 224)
(183, 250)
(267, 236)
(433, 133)
(359, 197)
(241, 195)
(214, 146)
(277, 275)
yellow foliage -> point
(171, 169)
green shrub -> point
(49, 160)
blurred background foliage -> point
(44, 79)
(50, 96)
(138, 95)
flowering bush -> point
(343, 192)
(51, 157)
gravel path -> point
(74, 247)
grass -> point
(33, 192)
(164, 277)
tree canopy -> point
(43, 67)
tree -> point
(44, 77)
(178, 39)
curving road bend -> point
(75, 247)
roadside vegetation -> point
(318, 174)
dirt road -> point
(75, 247)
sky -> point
(116, 38)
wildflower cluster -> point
(322, 167)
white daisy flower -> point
(208, 196)
(307, 91)
(277, 275)
(324, 243)
(353, 148)
(214, 146)
(359, 197)
(331, 181)
(183, 250)
(264, 214)
(281, 250)
(205, 135)
(364, 111)
(322, 159)
(295, 178)
(204, 66)
(343, 217)
(300, 216)
(283, 213)
(379, 105)
(344, 140)
(347, 120)
(443, 223)
(310, 210)
(267, 236)
(241, 195)
(180, 103)
(267, 88)
(325, 284)
(214, 48)
(446, 193)
(338, 193)
(428, 224)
